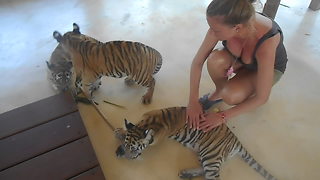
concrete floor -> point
(283, 135)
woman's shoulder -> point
(262, 25)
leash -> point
(95, 105)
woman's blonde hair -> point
(233, 11)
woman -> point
(253, 50)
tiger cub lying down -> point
(213, 147)
(93, 59)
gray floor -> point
(282, 134)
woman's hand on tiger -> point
(194, 115)
(210, 121)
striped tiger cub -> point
(213, 147)
(93, 59)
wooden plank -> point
(61, 163)
(31, 115)
(92, 174)
(23, 146)
(271, 7)
(314, 5)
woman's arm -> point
(194, 109)
(205, 49)
(265, 58)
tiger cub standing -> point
(93, 59)
(60, 69)
(213, 147)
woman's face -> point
(221, 30)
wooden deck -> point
(46, 140)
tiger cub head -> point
(135, 141)
(68, 35)
(72, 38)
(60, 75)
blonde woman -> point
(253, 50)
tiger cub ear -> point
(149, 133)
(57, 36)
(50, 66)
(146, 132)
(76, 28)
(128, 124)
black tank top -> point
(281, 54)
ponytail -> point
(233, 11)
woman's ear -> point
(238, 27)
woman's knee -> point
(219, 58)
(233, 98)
(218, 62)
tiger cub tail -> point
(244, 154)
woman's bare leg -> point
(218, 62)
(237, 89)
(240, 87)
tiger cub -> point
(93, 59)
(60, 69)
(213, 147)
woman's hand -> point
(194, 115)
(211, 121)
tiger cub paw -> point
(95, 85)
(119, 133)
(184, 174)
(129, 81)
(146, 99)
(191, 173)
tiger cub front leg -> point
(95, 85)
(89, 85)
(146, 98)
(77, 85)
(120, 134)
